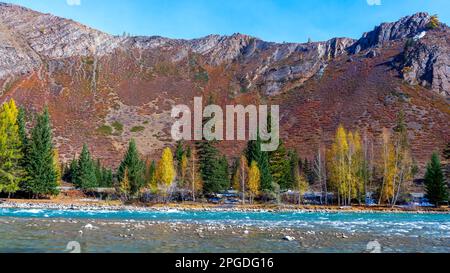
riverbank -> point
(93, 204)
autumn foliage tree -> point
(240, 177)
(434, 22)
(345, 163)
(165, 172)
(396, 162)
(302, 186)
(11, 170)
(124, 186)
(254, 181)
(194, 177)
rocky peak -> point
(219, 49)
(406, 27)
(51, 36)
(426, 61)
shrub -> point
(137, 129)
(105, 130)
(434, 22)
(117, 126)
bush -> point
(434, 22)
(117, 126)
(105, 130)
(137, 129)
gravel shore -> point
(200, 207)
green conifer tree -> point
(40, 166)
(279, 166)
(293, 169)
(254, 153)
(85, 175)
(135, 166)
(435, 186)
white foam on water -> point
(30, 211)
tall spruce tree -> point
(135, 166)
(266, 177)
(279, 166)
(293, 169)
(435, 186)
(151, 180)
(254, 153)
(223, 173)
(179, 151)
(85, 174)
(308, 171)
(21, 123)
(212, 168)
(69, 173)
(42, 176)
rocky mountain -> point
(104, 89)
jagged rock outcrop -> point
(426, 61)
(406, 27)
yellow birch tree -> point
(254, 181)
(165, 172)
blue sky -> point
(271, 20)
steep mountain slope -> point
(104, 89)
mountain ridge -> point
(92, 80)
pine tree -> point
(293, 169)
(235, 169)
(151, 182)
(266, 177)
(309, 171)
(40, 167)
(435, 186)
(213, 168)
(108, 178)
(254, 181)
(98, 173)
(224, 173)
(21, 123)
(103, 175)
(11, 170)
(179, 151)
(70, 172)
(135, 166)
(85, 174)
(254, 153)
(183, 170)
(279, 166)
(57, 166)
